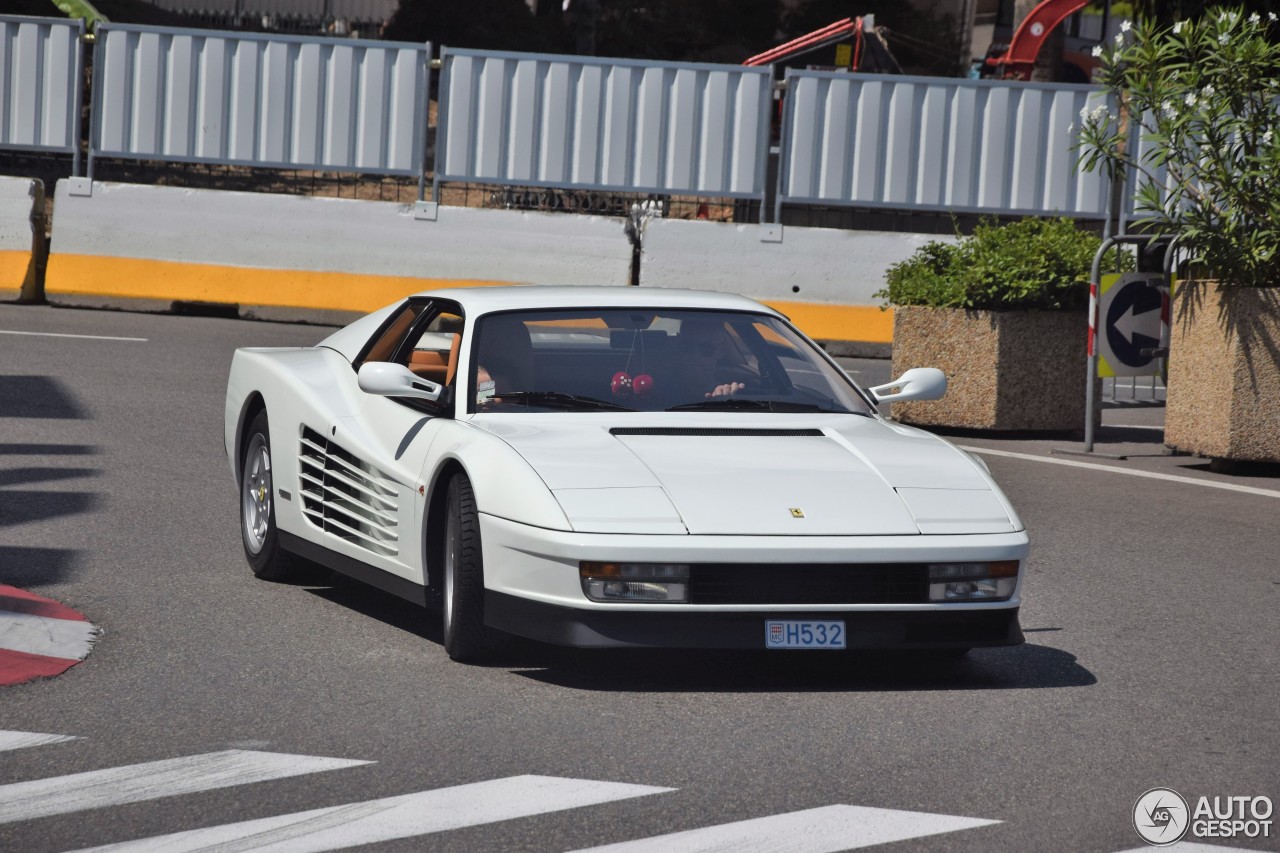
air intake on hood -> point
(347, 497)
(717, 432)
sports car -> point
(618, 466)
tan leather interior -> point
(436, 366)
(452, 369)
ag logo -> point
(1161, 817)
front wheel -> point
(257, 509)
(466, 638)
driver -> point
(708, 353)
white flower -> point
(1190, 99)
(1224, 38)
(1119, 38)
(1167, 109)
(1099, 113)
(1266, 138)
(1097, 50)
(1125, 26)
(1177, 28)
(1255, 19)
(1209, 91)
(1271, 16)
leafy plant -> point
(1031, 263)
(1202, 96)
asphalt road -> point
(1150, 609)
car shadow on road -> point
(1014, 668)
(1031, 665)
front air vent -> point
(346, 496)
(808, 583)
(716, 432)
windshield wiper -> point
(747, 404)
(560, 400)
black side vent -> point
(719, 432)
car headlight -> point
(973, 581)
(637, 582)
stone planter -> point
(1006, 370)
(1224, 373)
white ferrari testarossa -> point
(617, 466)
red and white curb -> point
(39, 638)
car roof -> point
(478, 301)
(484, 300)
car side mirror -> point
(918, 383)
(395, 380)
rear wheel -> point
(257, 509)
(466, 637)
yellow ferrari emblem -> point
(796, 512)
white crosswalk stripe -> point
(821, 830)
(394, 817)
(818, 830)
(22, 740)
(155, 779)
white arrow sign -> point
(1129, 324)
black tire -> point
(466, 638)
(258, 531)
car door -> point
(375, 455)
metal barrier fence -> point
(592, 124)
(967, 146)
(562, 123)
(272, 101)
(41, 65)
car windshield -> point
(652, 360)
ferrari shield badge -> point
(797, 512)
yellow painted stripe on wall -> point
(137, 278)
(14, 264)
(839, 322)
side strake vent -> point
(347, 497)
(720, 432)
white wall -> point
(18, 243)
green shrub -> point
(1031, 263)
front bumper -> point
(533, 590)
(705, 629)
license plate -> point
(803, 634)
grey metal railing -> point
(585, 123)
(924, 143)
(256, 100)
(41, 66)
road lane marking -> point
(63, 335)
(22, 740)
(1151, 475)
(42, 635)
(386, 819)
(136, 783)
(821, 830)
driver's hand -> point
(726, 390)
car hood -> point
(823, 476)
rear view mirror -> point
(395, 380)
(918, 383)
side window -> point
(434, 355)
(385, 345)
